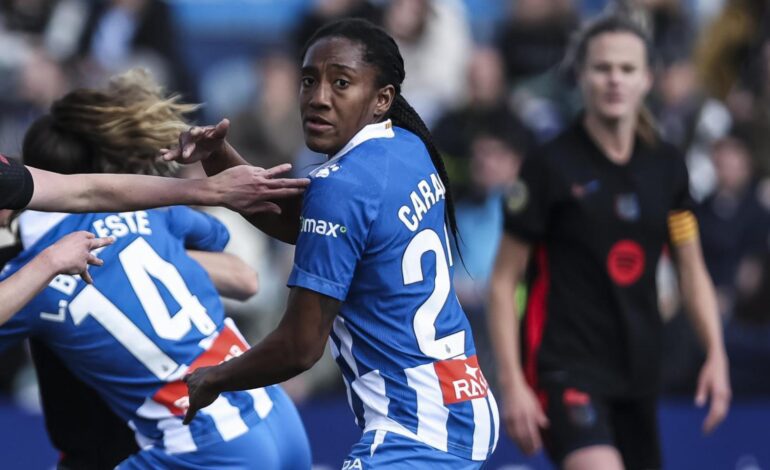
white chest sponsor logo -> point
(321, 227)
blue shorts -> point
(278, 442)
(387, 450)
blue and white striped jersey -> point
(373, 236)
(151, 316)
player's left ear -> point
(385, 97)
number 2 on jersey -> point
(424, 322)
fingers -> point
(281, 193)
(220, 131)
(188, 151)
(94, 261)
(287, 183)
(97, 243)
(170, 154)
(720, 405)
(86, 276)
(190, 414)
(277, 170)
(701, 392)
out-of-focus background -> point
(486, 76)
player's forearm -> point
(107, 192)
(504, 333)
(232, 277)
(19, 289)
(700, 300)
(275, 359)
(221, 161)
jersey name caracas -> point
(427, 195)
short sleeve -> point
(683, 200)
(334, 227)
(198, 230)
(16, 184)
(526, 204)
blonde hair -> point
(121, 127)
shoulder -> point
(553, 154)
(667, 156)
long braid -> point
(381, 50)
(403, 115)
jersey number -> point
(424, 322)
(141, 263)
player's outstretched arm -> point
(70, 255)
(244, 189)
(523, 416)
(232, 277)
(701, 306)
(209, 146)
(293, 347)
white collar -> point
(379, 130)
(33, 225)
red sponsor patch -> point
(461, 380)
(625, 262)
(225, 347)
(574, 397)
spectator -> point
(435, 41)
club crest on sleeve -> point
(517, 197)
(326, 171)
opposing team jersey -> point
(373, 236)
(16, 185)
(151, 316)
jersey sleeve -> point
(334, 226)
(683, 200)
(198, 230)
(682, 224)
(526, 204)
(16, 185)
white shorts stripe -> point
(379, 438)
(227, 418)
(432, 415)
(262, 402)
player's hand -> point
(72, 254)
(198, 143)
(199, 391)
(524, 418)
(714, 386)
(250, 189)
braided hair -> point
(381, 51)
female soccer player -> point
(152, 313)
(593, 209)
(372, 267)
(245, 189)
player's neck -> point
(614, 137)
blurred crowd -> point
(488, 78)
